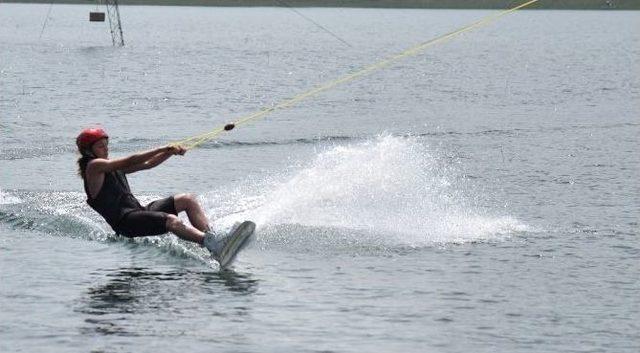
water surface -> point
(482, 196)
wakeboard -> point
(236, 240)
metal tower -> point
(114, 22)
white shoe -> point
(225, 248)
(210, 242)
(214, 241)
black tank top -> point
(114, 200)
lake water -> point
(482, 196)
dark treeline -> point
(426, 4)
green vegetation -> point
(435, 4)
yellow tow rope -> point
(196, 140)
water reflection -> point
(133, 298)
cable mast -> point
(114, 21)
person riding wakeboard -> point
(108, 193)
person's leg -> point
(188, 203)
(184, 231)
(146, 223)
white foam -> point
(8, 199)
(389, 187)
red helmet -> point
(90, 136)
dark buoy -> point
(229, 126)
(96, 16)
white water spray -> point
(386, 191)
(7, 199)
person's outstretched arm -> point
(132, 162)
(156, 159)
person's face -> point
(101, 148)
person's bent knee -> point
(186, 197)
(185, 200)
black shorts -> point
(151, 220)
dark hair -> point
(82, 164)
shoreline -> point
(399, 4)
